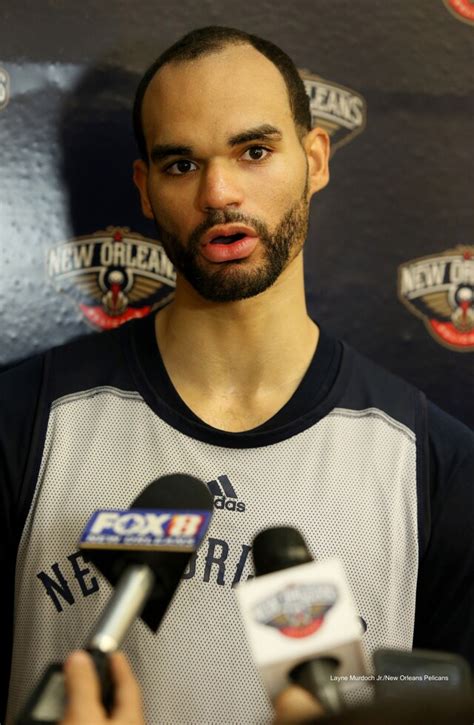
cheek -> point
(281, 183)
(168, 210)
(272, 198)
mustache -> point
(220, 216)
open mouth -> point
(228, 247)
(228, 239)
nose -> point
(219, 187)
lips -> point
(226, 231)
(228, 242)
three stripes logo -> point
(224, 494)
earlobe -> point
(140, 178)
(317, 147)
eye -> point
(181, 167)
(256, 153)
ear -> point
(317, 146)
(140, 177)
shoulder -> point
(450, 439)
(28, 392)
(87, 362)
(371, 388)
(20, 380)
(444, 617)
(451, 463)
(446, 445)
(29, 388)
(21, 389)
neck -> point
(239, 348)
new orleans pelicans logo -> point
(440, 290)
(339, 110)
(298, 610)
(461, 9)
(114, 276)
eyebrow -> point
(162, 151)
(258, 133)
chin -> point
(233, 285)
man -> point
(233, 383)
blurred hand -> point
(84, 705)
(295, 705)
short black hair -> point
(210, 40)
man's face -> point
(227, 182)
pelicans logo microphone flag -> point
(299, 613)
(298, 610)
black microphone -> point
(143, 551)
(300, 618)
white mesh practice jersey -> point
(88, 429)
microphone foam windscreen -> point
(277, 548)
(175, 492)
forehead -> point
(218, 94)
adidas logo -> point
(224, 494)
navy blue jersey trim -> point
(194, 428)
(422, 473)
(20, 509)
(445, 589)
(36, 450)
(313, 388)
(376, 387)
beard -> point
(238, 279)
